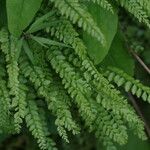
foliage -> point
(96, 51)
(123, 59)
(23, 10)
(49, 79)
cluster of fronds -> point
(129, 83)
(56, 69)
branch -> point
(140, 61)
(133, 101)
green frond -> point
(104, 4)
(118, 105)
(59, 104)
(108, 144)
(136, 8)
(6, 119)
(10, 49)
(128, 83)
(111, 98)
(62, 32)
(53, 96)
(145, 5)
(51, 145)
(108, 124)
(71, 82)
(77, 14)
(72, 58)
(19, 104)
(12, 65)
(35, 125)
(48, 70)
(5, 102)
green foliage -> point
(129, 83)
(6, 124)
(138, 145)
(3, 17)
(122, 59)
(104, 4)
(74, 11)
(48, 79)
(96, 51)
(61, 31)
(136, 8)
(20, 14)
(53, 96)
(37, 126)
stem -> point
(137, 108)
(140, 61)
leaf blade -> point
(96, 51)
(20, 14)
(118, 56)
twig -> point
(147, 128)
(140, 61)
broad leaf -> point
(118, 56)
(20, 14)
(107, 22)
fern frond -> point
(108, 124)
(62, 103)
(111, 98)
(62, 32)
(5, 105)
(12, 66)
(72, 83)
(53, 96)
(136, 9)
(104, 4)
(19, 104)
(124, 110)
(74, 11)
(108, 144)
(6, 119)
(102, 97)
(128, 83)
(9, 48)
(64, 75)
(51, 145)
(145, 5)
(35, 125)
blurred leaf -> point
(3, 137)
(118, 56)
(146, 56)
(2, 13)
(135, 144)
(108, 26)
(20, 13)
(28, 52)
